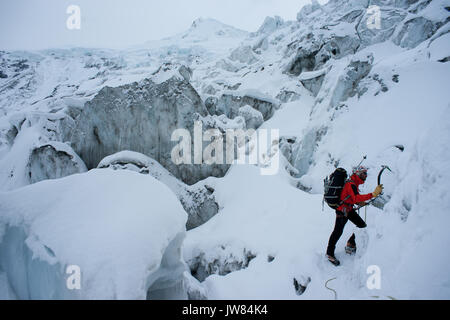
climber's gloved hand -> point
(362, 204)
(377, 190)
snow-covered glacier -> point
(87, 178)
(121, 229)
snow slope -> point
(86, 220)
(343, 91)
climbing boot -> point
(350, 248)
(333, 260)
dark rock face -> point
(336, 47)
(210, 104)
(313, 84)
(304, 60)
(52, 162)
(141, 117)
(315, 52)
(200, 204)
(223, 263)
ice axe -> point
(383, 167)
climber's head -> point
(361, 172)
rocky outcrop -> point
(313, 80)
(346, 87)
(210, 104)
(169, 69)
(287, 96)
(229, 103)
(391, 18)
(270, 24)
(336, 47)
(313, 52)
(305, 59)
(198, 200)
(141, 117)
(308, 9)
(224, 260)
(52, 161)
(304, 149)
(414, 31)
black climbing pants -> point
(341, 220)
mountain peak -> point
(201, 21)
(212, 27)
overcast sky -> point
(40, 24)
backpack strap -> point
(354, 187)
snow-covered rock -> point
(270, 24)
(313, 80)
(390, 18)
(308, 9)
(122, 230)
(219, 261)
(168, 70)
(141, 117)
(305, 59)
(24, 134)
(414, 31)
(347, 84)
(230, 102)
(304, 149)
(336, 47)
(53, 160)
(222, 122)
(198, 200)
(287, 96)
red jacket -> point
(350, 193)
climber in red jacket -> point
(349, 197)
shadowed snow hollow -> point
(122, 229)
